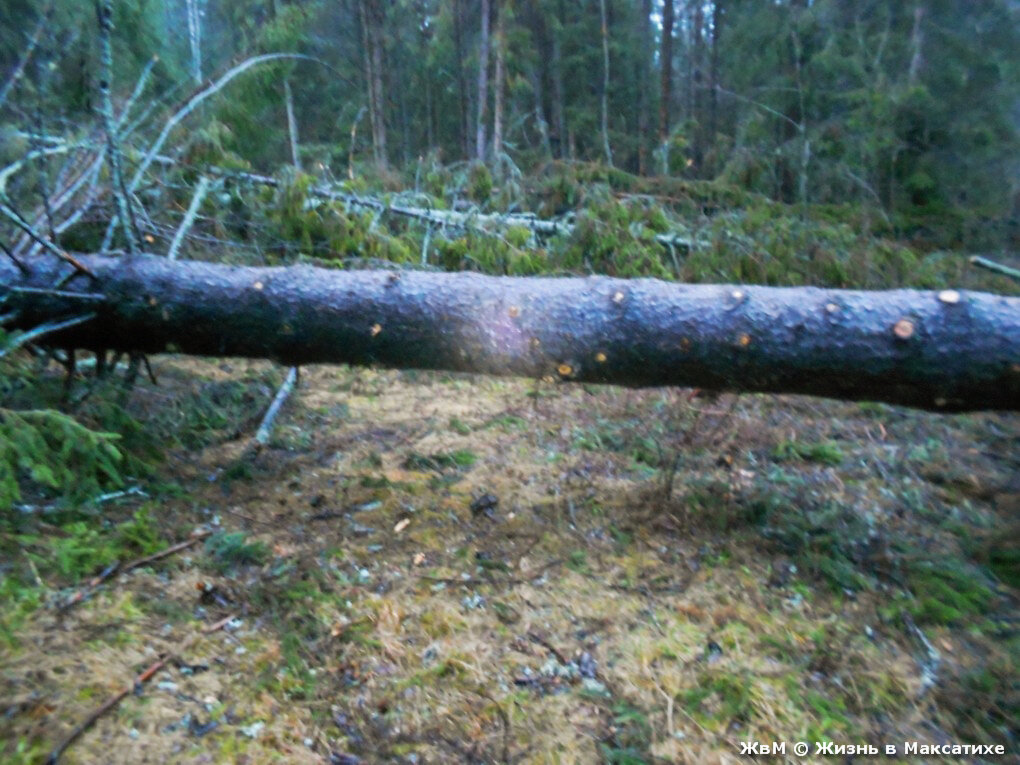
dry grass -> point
(441, 641)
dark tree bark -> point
(946, 351)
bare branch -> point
(143, 79)
(25, 226)
(104, 15)
(991, 265)
(189, 217)
(21, 266)
(43, 330)
(193, 102)
(15, 167)
(59, 293)
(33, 43)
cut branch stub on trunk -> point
(944, 351)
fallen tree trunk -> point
(946, 351)
(483, 223)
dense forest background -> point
(908, 109)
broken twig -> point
(136, 683)
(115, 568)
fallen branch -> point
(42, 330)
(484, 223)
(265, 430)
(930, 666)
(991, 265)
(189, 217)
(140, 680)
(67, 295)
(115, 569)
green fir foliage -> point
(55, 452)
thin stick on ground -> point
(115, 568)
(137, 682)
(991, 265)
(929, 666)
(90, 585)
(265, 431)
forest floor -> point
(432, 568)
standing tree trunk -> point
(366, 49)
(916, 46)
(946, 351)
(483, 83)
(499, 75)
(371, 36)
(462, 98)
(560, 138)
(424, 38)
(697, 85)
(666, 97)
(195, 38)
(379, 127)
(713, 78)
(292, 128)
(125, 215)
(644, 69)
(543, 126)
(605, 83)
